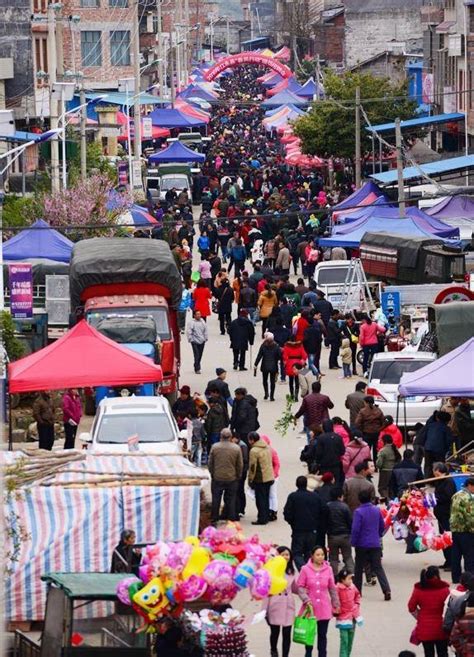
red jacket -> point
(429, 604)
(72, 408)
(391, 430)
(368, 333)
(301, 326)
(201, 297)
(293, 353)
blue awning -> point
(431, 169)
(119, 98)
(20, 135)
(418, 123)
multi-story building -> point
(448, 54)
(16, 58)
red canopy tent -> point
(157, 133)
(82, 357)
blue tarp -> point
(431, 169)
(417, 123)
(177, 152)
(173, 118)
(415, 225)
(39, 241)
(278, 109)
(284, 97)
(357, 197)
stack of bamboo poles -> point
(42, 467)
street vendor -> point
(126, 558)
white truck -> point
(331, 277)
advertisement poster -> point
(391, 308)
(21, 290)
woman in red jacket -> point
(201, 297)
(293, 353)
(426, 605)
(391, 429)
(368, 340)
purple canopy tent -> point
(177, 152)
(449, 376)
(456, 211)
(285, 97)
(357, 197)
(173, 118)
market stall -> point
(38, 241)
(69, 508)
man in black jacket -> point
(334, 340)
(304, 513)
(404, 473)
(244, 417)
(324, 307)
(312, 340)
(329, 450)
(339, 525)
(242, 334)
(219, 384)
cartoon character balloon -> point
(276, 567)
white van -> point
(133, 424)
(385, 373)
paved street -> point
(387, 625)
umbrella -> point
(136, 216)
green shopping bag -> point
(305, 627)
(195, 276)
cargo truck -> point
(130, 278)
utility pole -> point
(228, 34)
(53, 103)
(357, 139)
(172, 52)
(159, 40)
(186, 38)
(136, 105)
(83, 124)
(401, 188)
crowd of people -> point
(263, 223)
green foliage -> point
(307, 69)
(20, 210)
(286, 419)
(96, 162)
(13, 346)
(329, 131)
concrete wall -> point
(15, 42)
(372, 24)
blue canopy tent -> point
(351, 234)
(310, 89)
(38, 241)
(194, 91)
(177, 152)
(273, 81)
(173, 118)
(357, 197)
(285, 97)
(292, 108)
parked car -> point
(133, 424)
(384, 376)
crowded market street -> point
(243, 412)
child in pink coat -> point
(349, 615)
(317, 588)
(281, 608)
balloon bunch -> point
(412, 515)
(213, 567)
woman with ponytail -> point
(426, 605)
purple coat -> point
(317, 585)
(367, 526)
(281, 609)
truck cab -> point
(161, 179)
(145, 305)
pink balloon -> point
(144, 573)
(222, 596)
(122, 589)
(218, 574)
(192, 589)
(260, 585)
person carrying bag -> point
(305, 627)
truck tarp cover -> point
(408, 246)
(104, 260)
(128, 330)
(454, 322)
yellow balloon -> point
(192, 540)
(276, 567)
(152, 598)
(198, 560)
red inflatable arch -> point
(246, 58)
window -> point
(120, 48)
(90, 3)
(118, 3)
(91, 48)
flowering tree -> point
(87, 203)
